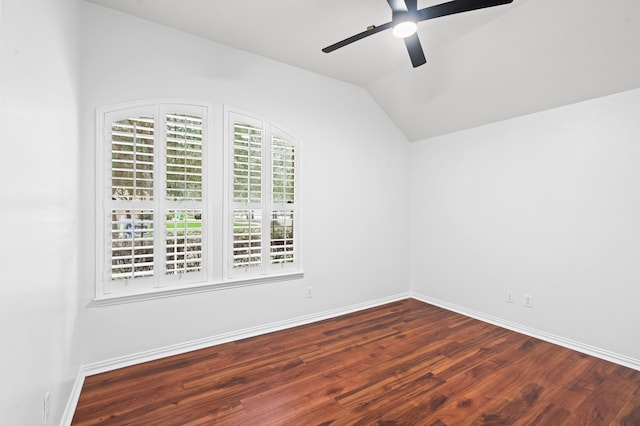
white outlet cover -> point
(528, 301)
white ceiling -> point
(482, 66)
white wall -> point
(38, 213)
(547, 205)
(355, 182)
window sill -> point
(161, 293)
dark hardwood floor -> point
(404, 363)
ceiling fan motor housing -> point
(398, 16)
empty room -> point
(289, 213)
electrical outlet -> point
(309, 292)
(528, 301)
(509, 297)
(45, 407)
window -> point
(263, 198)
(157, 224)
(153, 159)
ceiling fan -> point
(404, 18)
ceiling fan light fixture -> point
(404, 29)
(405, 24)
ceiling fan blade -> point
(357, 37)
(412, 5)
(415, 50)
(456, 6)
(403, 5)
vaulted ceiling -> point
(482, 66)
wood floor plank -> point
(629, 414)
(404, 363)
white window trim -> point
(166, 292)
(215, 270)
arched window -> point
(155, 204)
(263, 198)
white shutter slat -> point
(126, 165)
(183, 172)
(194, 140)
(180, 156)
(125, 138)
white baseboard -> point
(551, 338)
(72, 402)
(138, 358)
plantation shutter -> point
(132, 254)
(132, 185)
(184, 193)
(132, 157)
(283, 168)
(282, 232)
(154, 201)
(247, 238)
(247, 163)
(184, 157)
(263, 212)
(184, 241)
(283, 178)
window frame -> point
(214, 274)
(266, 204)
